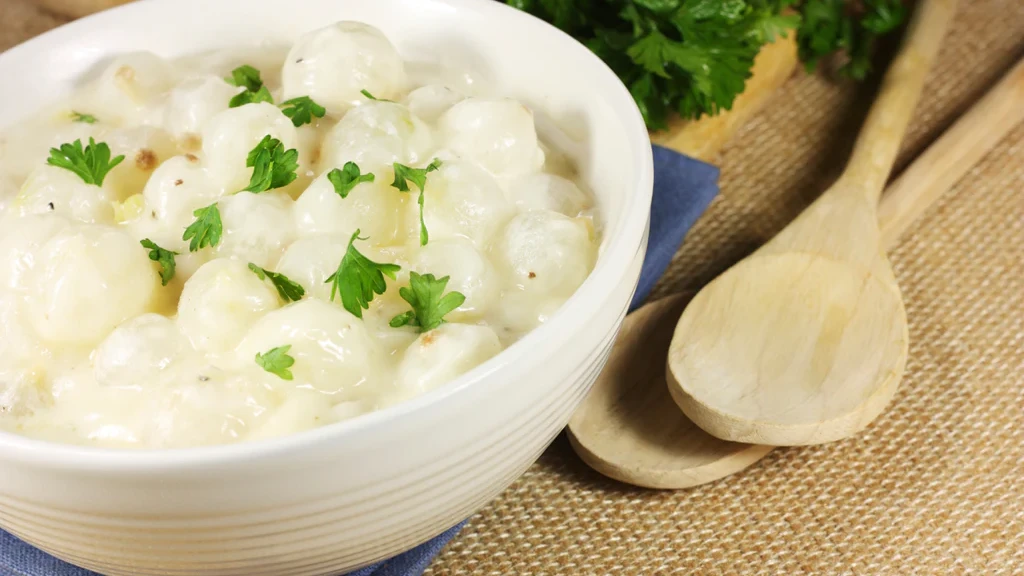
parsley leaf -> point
(277, 362)
(83, 118)
(247, 77)
(418, 176)
(288, 290)
(429, 307)
(206, 229)
(91, 164)
(164, 257)
(345, 179)
(369, 96)
(358, 278)
(273, 166)
(302, 110)
(243, 98)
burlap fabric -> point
(935, 486)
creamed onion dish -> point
(254, 242)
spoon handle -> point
(875, 150)
(950, 157)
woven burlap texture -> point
(935, 486)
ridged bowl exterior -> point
(340, 497)
(464, 456)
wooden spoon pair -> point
(804, 341)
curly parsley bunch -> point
(693, 57)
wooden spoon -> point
(805, 341)
(629, 429)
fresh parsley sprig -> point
(273, 166)
(277, 362)
(302, 110)
(346, 178)
(288, 290)
(248, 78)
(358, 279)
(206, 230)
(429, 302)
(91, 164)
(163, 257)
(418, 176)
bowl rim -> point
(621, 249)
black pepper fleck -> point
(533, 274)
(52, 207)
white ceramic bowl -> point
(336, 498)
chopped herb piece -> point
(345, 179)
(247, 77)
(288, 290)
(358, 278)
(83, 118)
(206, 230)
(273, 166)
(429, 302)
(91, 164)
(418, 176)
(302, 110)
(163, 257)
(243, 98)
(277, 362)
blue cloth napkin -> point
(683, 188)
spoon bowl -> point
(789, 349)
(805, 341)
(630, 430)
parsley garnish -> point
(247, 77)
(91, 164)
(83, 118)
(288, 290)
(418, 176)
(163, 257)
(302, 110)
(429, 307)
(345, 179)
(277, 362)
(273, 166)
(693, 57)
(358, 278)
(206, 229)
(369, 96)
